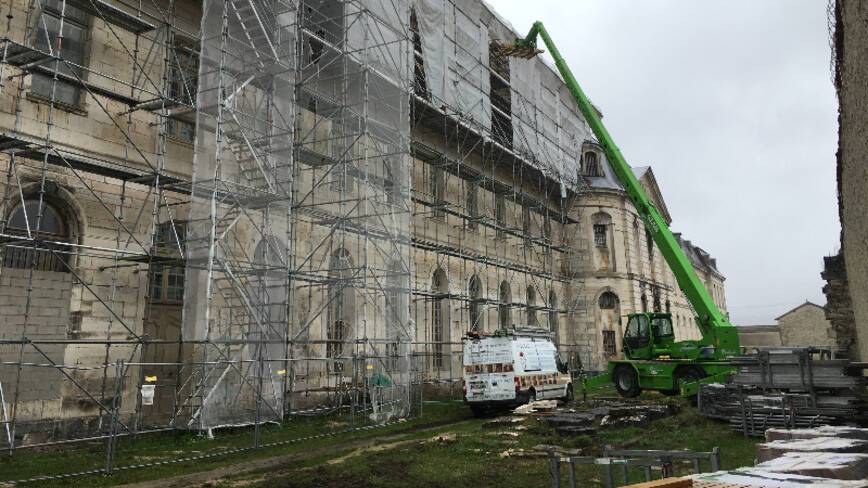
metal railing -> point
(663, 463)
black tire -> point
(626, 381)
(531, 396)
(478, 410)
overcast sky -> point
(732, 105)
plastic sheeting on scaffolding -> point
(455, 49)
(236, 291)
(548, 129)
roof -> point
(757, 328)
(699, 257)
(807, 303)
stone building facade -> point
(99, 224)
(806, 326)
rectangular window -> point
(171, 235)
(181, 130)
(183, 76)
(167, 282)
(609, 347)
(175, 284)
(600, 239)
(75, 24)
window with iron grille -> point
(609, 346)
(167, 282)
(49, 231)
(600, 238)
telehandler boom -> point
(653, 360)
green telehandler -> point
(653, 359)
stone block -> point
(836, 465)
(774, 449)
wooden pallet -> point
(665, 483)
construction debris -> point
(536, 407)
(499, 422)
(616, 415)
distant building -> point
(806, 325)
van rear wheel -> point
(626, 381)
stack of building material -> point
(792, 370)
(786, 388)
(836, 465)
(775, 449)
(840, 431)
(754, 477)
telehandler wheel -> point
(626, 381)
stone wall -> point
(806, 326)
(851, 44)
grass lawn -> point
(445, 447)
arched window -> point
(553, 314)
(644, 303)
(439, 316)
(636, 240)
(475, 293)
(655, 295)
(503, 312)
(531, 307)
(668, 306)
(608, 301)
(341, 310)
(592, 166)
(53, 230)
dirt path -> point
(380, 442)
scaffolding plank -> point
(113, 15)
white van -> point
(512, 368)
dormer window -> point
(591, 165)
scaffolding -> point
(245, 212)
